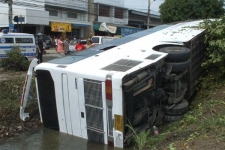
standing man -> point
(40, 48)
(66, 46)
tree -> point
(215, 50)
(180, 10)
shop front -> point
(58, 29)
(70, 30)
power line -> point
(40, 7)
(19, 3)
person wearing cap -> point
(40, 47)
(79, 46)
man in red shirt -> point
(79, 46)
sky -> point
(142, 5)
(139, 5)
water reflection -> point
(47, 139)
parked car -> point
(102, 39)
(73, 44)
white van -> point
(25, 42)
(102, 39)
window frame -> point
(11, 38)
(118, 13)
(68, 16)
(22, 41)
(53, 12)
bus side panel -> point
(60, 101)
(104, 114)
(117, 111)
(74, 106)
(118, 118)
(82, 112)
(66, 104)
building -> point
(139, 19)
(78, 18)
(109, 17)
(55, 17)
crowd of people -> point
(61, 45)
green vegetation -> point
(14, 61)
(140, 139)
(10, 100)
(180, 10)
(215, 52)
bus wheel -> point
(179, 66)
(176, 54)
(178, 109)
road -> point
(50, 54)
(48, 57)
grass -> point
(140, 139)
(10, 100)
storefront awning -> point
(80, 25)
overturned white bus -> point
(142, 80)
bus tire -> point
(176, 53)
(179, 66)
(178, 109)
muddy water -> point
(47, 139)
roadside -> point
(6, 75)
(11, 88)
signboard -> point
(11, 26)
(128, 31)
(20, 19)
(104, 27)
(61, 27)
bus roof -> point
(137, 53)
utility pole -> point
(10, 11)
(148, 20)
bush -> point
(14, 61)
